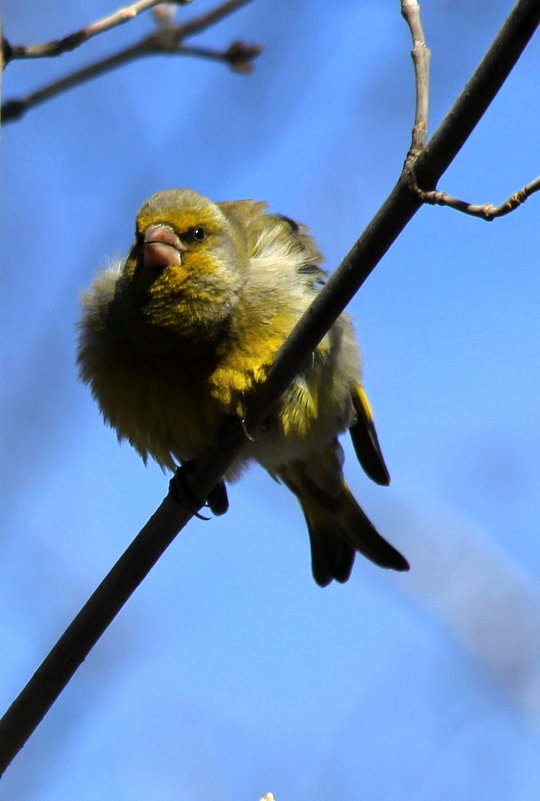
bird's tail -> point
(337, 528)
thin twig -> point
(58, 46)
(204, 21)
(486, 212)
(410, 10)
(167, 38)
(50, 679)
(474, 100)
(445, 144)
(239, 55)
(14, 108)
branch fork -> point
(167, 37)
(410, 10)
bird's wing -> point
(365, 440)
(277, 239)
(243, 212)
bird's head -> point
(187, 265)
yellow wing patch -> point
(363, 402)
(365, 440)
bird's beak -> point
(162, 247)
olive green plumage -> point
(177, 336)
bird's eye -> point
(197, 233)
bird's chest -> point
(169, 405)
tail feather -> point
(331, 555)
(335, 536)
(364, 536)
(337, 525)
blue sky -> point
(229, 673)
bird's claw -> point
(179, 491)
(217, 500)
(246, 431)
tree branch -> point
(239, 55)
(401, 205)
(167, 38)
(204, 21)
(58, 46)
(478, 93)
(487, 211)
(421, 56)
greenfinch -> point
(176, 338)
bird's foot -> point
(217, 500)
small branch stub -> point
(486, 212)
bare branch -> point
(401, 205)
(194, 26)
(487, 211)
(167, 38)
(14, 108)
(239, 55)
(58, 46)
(476, 97)
(410, 10)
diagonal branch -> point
(199, 24)
(238, 56)
(58, 46)
(167, 38)
(51, 677)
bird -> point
(176, 337)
